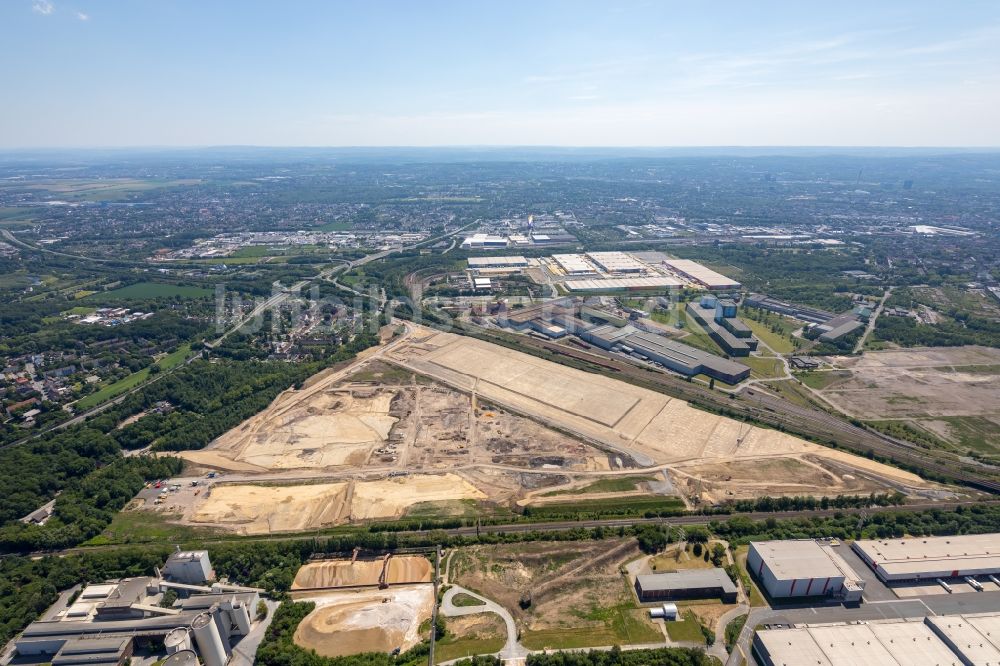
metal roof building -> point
(702, 275)
(922, 558)
(617, 262)
(497, 262)
(573, 264)
(888, 643)
(802, 568)
(687, 584)
(622, 284)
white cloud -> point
(83, 16)
(43, 7)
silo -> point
(177, 640)
(240, 615)
(182, 658)
(206, 635)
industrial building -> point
(713, 320)
(482, 241)
(686, 584)
(802, 312)
(617, 262)
(104, 623)
(933, 641)
(930, 558)
(511, 264)
(574, 264)
(803, 568)
(701, 275)
(837, 328)
(623, 284)
(189, 566)
(671, 354)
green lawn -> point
(612, 485)
(764, 367)
(782, 342)
(688, 629)
(820, 379)
(147, 527)
(144, 290)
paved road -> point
(246, 650)
(871, 322)
(512, 650)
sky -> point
(108, 73)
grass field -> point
(616, 506)
(975, 432)
(616, 485)
(124, 384)
(764, 367)
(466, 645)
(820, 379)
(145, 290)
(623, 625)
(147, 527)
(782, 342)
(688, 629)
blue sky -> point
(519, 72)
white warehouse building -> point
(929, 558)
(803, 568)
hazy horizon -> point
(451, 74)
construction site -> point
(439, 425)
(364, 604)
(952, 393)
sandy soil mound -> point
(344, 624)
(263, 509)
(391, 497)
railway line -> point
(772, 411)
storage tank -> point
(181, 658)
(177, 640)
(241, 617)
(209, 640)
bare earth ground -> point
(256, 509)
(569, 584)
(945, 381)
(952, 392)
(341, 573)
(365, 620)
(437, 422)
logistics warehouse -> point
(931, 558)
(803, 568)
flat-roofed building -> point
(574, 264)
(891, 642)
(617, 262)
(498, 263)
(686, 359)
(803, 568)
(686, 584)
(923, 558)
(660, 283)
(701, 275)
(975, 637)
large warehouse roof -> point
(573, 263)
(617, 262)
(687, 579)
(976, 636)
(608, 284)
(894, 643)
(899, 557)
(497, 262)
(800, 559)
(702, 274)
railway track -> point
(775, 412)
